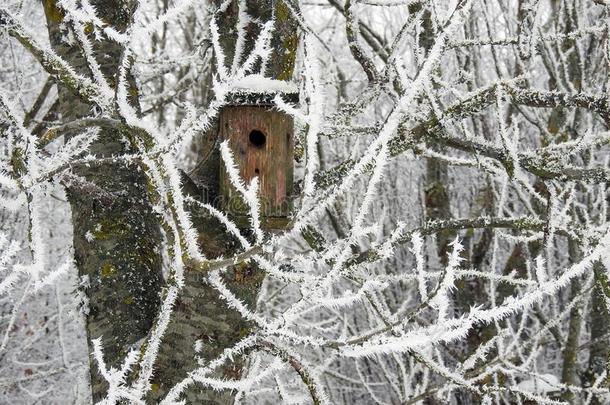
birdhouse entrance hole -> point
(262, 141)
(257, 138)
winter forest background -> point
(449, 235)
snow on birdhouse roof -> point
(259, 90)
(258, 83)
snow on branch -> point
(248, 192)
(55, 65)
(363, 297)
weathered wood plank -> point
(262, 143)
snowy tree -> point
(448, 234)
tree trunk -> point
(599, 349)
(116, 235)
(200, 313)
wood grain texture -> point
(272, 162)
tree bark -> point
(200, 313)
(117, 239)
(599, 349)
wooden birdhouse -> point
(262, 141)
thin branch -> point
(53, 64)
(78, 125)
(300, 369)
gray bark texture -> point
(599, 349)
(116, 235)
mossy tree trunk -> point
(117, 238)
(116, 235)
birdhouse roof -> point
(257, 89)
